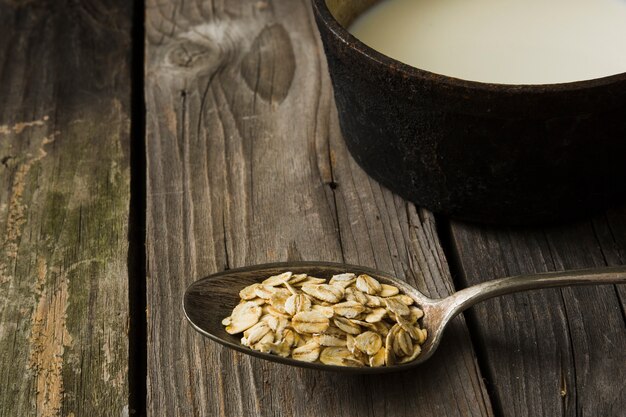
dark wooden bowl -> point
(495, 153)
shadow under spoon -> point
(207, 301)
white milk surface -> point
(501, 41)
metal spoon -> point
(209, 300)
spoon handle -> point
(467, 297)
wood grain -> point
(64, 195)
(554, 352)
(246, 165)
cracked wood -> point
(246, 165)
(551, 352)
(64, 194)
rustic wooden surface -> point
(246, 165)
(553, 352)
(64, 195)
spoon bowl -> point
(207, 301)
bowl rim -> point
(411, 72)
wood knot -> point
(187, 54)
(269, 66)
(205, 47)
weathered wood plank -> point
(64, 195)
(554, 352)
(246, 165)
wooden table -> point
(107, 213)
